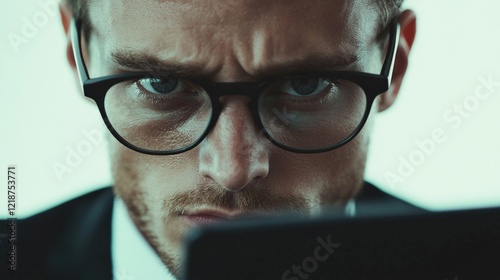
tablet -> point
(384, 244)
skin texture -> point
(235, 168)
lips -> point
(213, 216)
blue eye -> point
(305, 86)
(160, 86)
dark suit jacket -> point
(73, 240)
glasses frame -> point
(372, 85)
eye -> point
(161, 86)
(304, 86)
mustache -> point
(251, 198)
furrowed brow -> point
(313, 64)
(132, 61)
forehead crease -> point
(316, 33)
(249, 33)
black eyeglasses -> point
(165, 115)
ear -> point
(66, 16)
(408, 26)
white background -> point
(43, 116)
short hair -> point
(389, 9)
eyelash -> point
(158, 100)
(143, 95)
(316, 99)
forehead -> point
(249, 32)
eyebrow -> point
(136, 61)
(310, 65)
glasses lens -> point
(312, 113)
(159, 114)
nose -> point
(235, 153)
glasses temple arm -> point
(390, 58)
(77, 52)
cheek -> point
(325, 178)
(144, 182)
(344, 171)
(148, 180)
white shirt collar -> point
(132, 257)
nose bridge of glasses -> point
(221, 93)
(251, 90)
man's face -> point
(235, 171)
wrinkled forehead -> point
(252, 31)
(233, 15)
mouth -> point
(202, 217)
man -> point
(218, 110)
